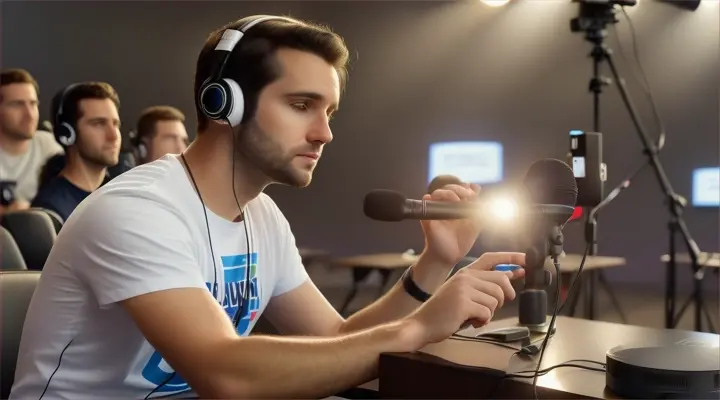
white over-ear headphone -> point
(221, 98)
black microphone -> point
(392, 206)
(549, 183)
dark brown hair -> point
(16, 75)
(152, 115)
(253, 65)
(79, 92)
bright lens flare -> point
(495, 3)
(503, 209)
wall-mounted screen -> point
(706, 187)
(472, 161)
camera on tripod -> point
(595, 15)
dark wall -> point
(422, 72)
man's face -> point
(98, 132)
(18, 110)
(170, 138)
(291, 125)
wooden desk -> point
(570, 263)
(362, 266)
(468, 369)
(706, 260)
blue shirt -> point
(59, 195)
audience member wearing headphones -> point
(156, 280)
(160, 130)
(23, 149)
(87, 125)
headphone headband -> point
(231, 37)
(61, 102)
(222, 98)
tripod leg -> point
(680, 313)
(710, 323)
(616, 303)
(590, 295)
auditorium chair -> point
(10, 257)
(16, 290)
(34, 234)
(55, 217)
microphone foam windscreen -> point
(384, 205)
(551, 181)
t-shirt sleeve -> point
(131, 246)
(291, 271)
(50, 146)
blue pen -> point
(506, 267)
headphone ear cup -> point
(237, 105)
(65, 134)
(223, 100)
(142, 151)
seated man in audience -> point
(160, 130)
(92, 144)
(157, 278)
(23, 148)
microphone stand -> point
(596, 36)
(674, 202)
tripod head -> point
(595, 15)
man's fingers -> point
(487, 300)
(463, 192)
(488, 261)
(444, 195)
(501, 279)
(478, 314)
(494, 283)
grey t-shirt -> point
(25, 168)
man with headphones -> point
(157, 279)
(87, 125)
(160, 130)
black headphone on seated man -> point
(64, 129)
(222, 98)
(138, 145)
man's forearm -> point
(286, 367)
(397, 303)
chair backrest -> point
(16, 290)
(57, 220)
(10, 257)
(34, 234)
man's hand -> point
(472, 295)
(447, 242)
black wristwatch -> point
(412, 288)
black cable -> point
(246, 222)
(47, 385)
(645, 85)
(483, 340)
(551, 326)
(547, 370)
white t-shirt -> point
(25, 168)
(144, 231)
